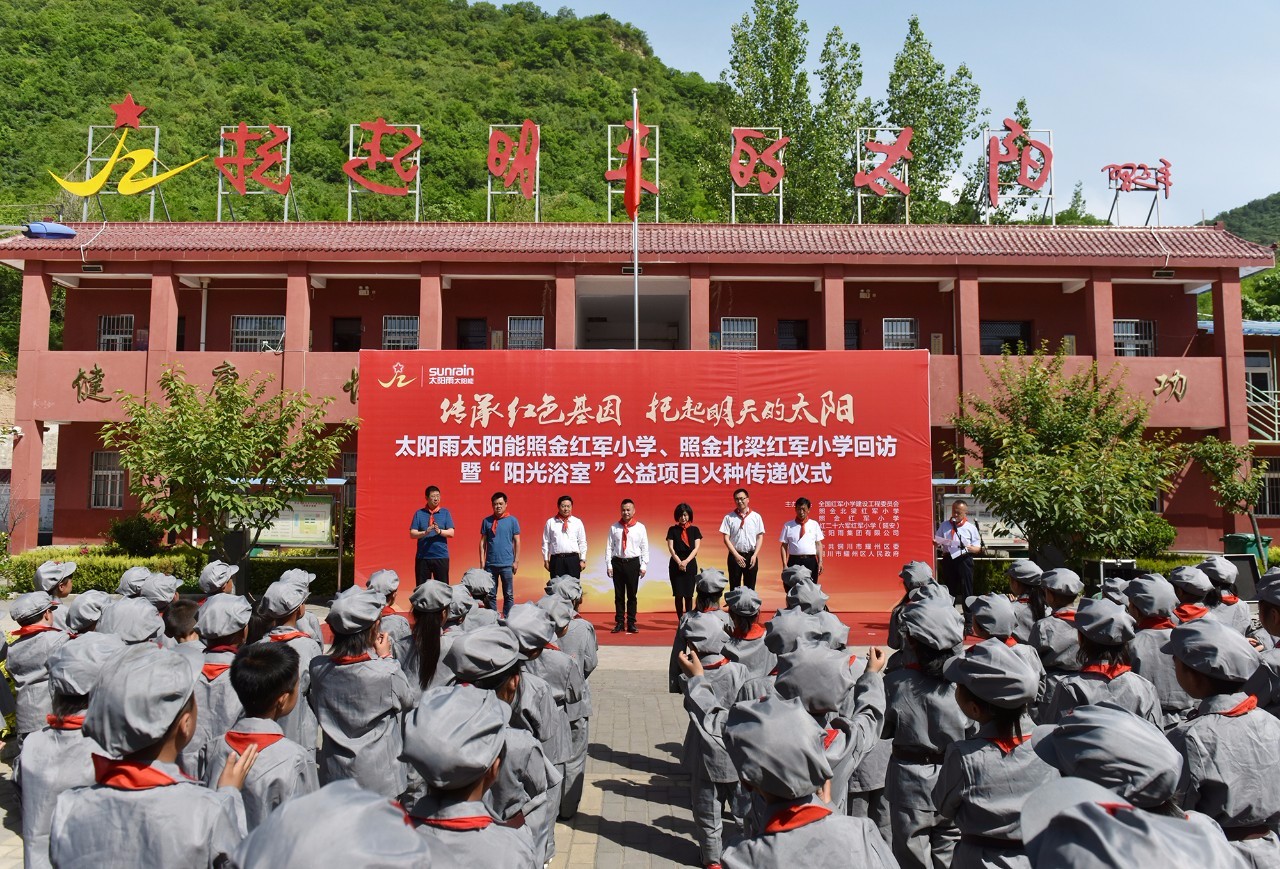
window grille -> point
(115, 332)
(108, 481)
(1269, 503)
(738, 333)
(995, 335)
(1135, 337)
(473, 333)
(253, 332)
(524, 333)
(901, 334)
(852, 334)
(793, 334)
(399, 333)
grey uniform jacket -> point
(535, 710)
(180, 824)
(283, 769)
(300, 725)
(1023, 620)
(922, 716)
(753, 654)
(1155, 665)
(854, 734)
(406, 652)
(1236, 614)
(675, 681)
(564, 676)
(395, 626)
(193, 651)
(217, 708)
(52, 761)
(580, 643)
(703, 743)
(358, 706)
(490, 845)
(1127, 690)
(29, 667)
(311, 625)
(831, 842)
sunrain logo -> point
(454, 375)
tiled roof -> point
(936, 244)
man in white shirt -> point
(801, 540)
(958, 541)
(564, 542)
(743, 532)
(626, 558)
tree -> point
(1064, 455)
(223, 458)
(836, 120)
(1236, 478)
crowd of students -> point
(1135, 729)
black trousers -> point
(431, 568)
(626, 583)
(809, 561)
(957, 576)
(743, 575)
(565, 564)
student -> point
(1028, 596)
(1055, 638)
(1232, 771)
(133, 620)
(1265, 682)
(560, 614)
(480, 584)
(1114, 589)
(160, 590)
(85, 611)
(564, 541)
(777, 748)
(131, 581)
(54, 578)
(791, 629)
(223, 625)
(342, 824)
(914, 574)
(1151, 603)
(626, 560)
(180, 620)
(358, 692)
(28, 655)
(60, 757)
(265, 679)
(432, 527)
(218, 577)
(420, 652)
(282, 607)
(455, 740)
(922, 719)
(578, 640)
(994, 619)
(684, 539)
(809, 597)
(500, 550)
(709, 589)
(308, 622)
(985, 779)
(461, 605)
(746, 640)
(143, 811)
(1106, 675)
(394, 625)
(1222, 600)
(1192, 588)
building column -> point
(1101, 317)
(297, 327)
(28, 450)
(967, 339)
(430, 308)
(699, 307)
(566, 307)
(1228, 345)
(162, 324)
(833, 307)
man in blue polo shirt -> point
(432, 527)
(500, 549)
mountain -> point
(1258, 220)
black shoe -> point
(632, 629)
(617, 629)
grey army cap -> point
(431, 597)
(479, 582)
(559, 609)
(795, 573)
(1105, 623)
(75, 668)
(216, 575)
(454, 735)
(384, 582)
(1152, 595)
(705, 632)
(131, 581)
(132, 619)
(1024, 571)
(915, 574)
(993, 613)
(26, 608)
(223, 615)
(1220, 571)
(790, 629)
(820, 678)
(995, 673)
(567, 587)
(532, 625)
(1191, 580)
(159, 589)
(933, 624)
(282, 599)
(743, 601)
(51, 573)
(83, 612)
(711, 582)
(487, 651)
(1213, 649)
(138, 698)
(1060, 580)
(807, 597)
(777, 747)
(354, 611)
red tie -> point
(564, 526)
(742, 520)
(684, 533)
(625, 525)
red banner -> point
(848, 431)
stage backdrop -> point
(847, 430)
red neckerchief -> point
(291, 635)
(493, 525)
(1155, 623)
(853, 658)
(431, 515)
(829, 737)
(128, 775)
(552, 646)
(800, 526)
(794, 817)
(955, 528)
(64, 722)
(684, 532)
(31, 630)
(717, 665)
(755, 632)
(1066, 615)
(625, 527)
(1011, 641)
(213, 671)
(742, 519)
(1007, 744)
(350, 659)
(388, 611)
(211, 649)
(1229, 599)
(240, 741)
(1107, 671)
(1248, 704)
(476, 823)
(564, 522)
(1189, 612)
(711, 609)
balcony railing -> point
(1264, 413)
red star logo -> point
(127, 112)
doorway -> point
(346, 334)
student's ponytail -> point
(426, 641)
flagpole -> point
(635, 221)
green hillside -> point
(1258, 220)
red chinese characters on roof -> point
(1007, 149)
(515, 160)
(401, 161)
(1139, 176)
(746, 161)
(881, 174)
(266, 155)
(642, 152)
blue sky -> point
(1119, 81)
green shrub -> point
(265, 570)
(95, 569)
(136, 536)
(1167, 561)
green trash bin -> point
(1244, 544)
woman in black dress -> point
(683, 540)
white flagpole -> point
(635, 221)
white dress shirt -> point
(953, 539)
(742, 531)
(637, 545)
(801, 539)
(557, 541)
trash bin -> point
(1244, 544)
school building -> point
(299, 300)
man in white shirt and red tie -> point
(626, 558)
(801, 540)
(743, 531)
(564, 542)
(958, 541)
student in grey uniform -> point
(133, 620)
(483, 588)
(28, 657)
(265, 679)
(914, 574)
(1105, 673)
(455, 739)
(1075, 823)
(60, 756)
(341, 824)
(560, 614)
(1192, 587)
(420, 652)
(578, 640)
(180, 620)
(308, 622)
(281, 606)
(1055, 637)
(131, 581)
(358, 693)
(1265, 682)
(394, 625)
(84, 612)
(707, 594)
(160, 590)
(1114, 589)
(746, 640)
(1028, 597)
(54, 578)
(993, 618)
(217, 578)
(1151, 602)
(923, 719)
(143, 811)
(1232, 771)
(223, 624)
(810, 598)
(777, 749)
(985, 780)
(1222, 600)
(461, 604)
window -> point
(524, 333)
(182, 334)
(399, 333)
(1258, 373)
(793, 334)
(852, 334)
(108, 481)
(995, 335)
(349, 473)
(253, 332)
(1135, 337)
(901, 334)
(737, 333)
(1269, 503)
(473, 333)
(115, 332)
